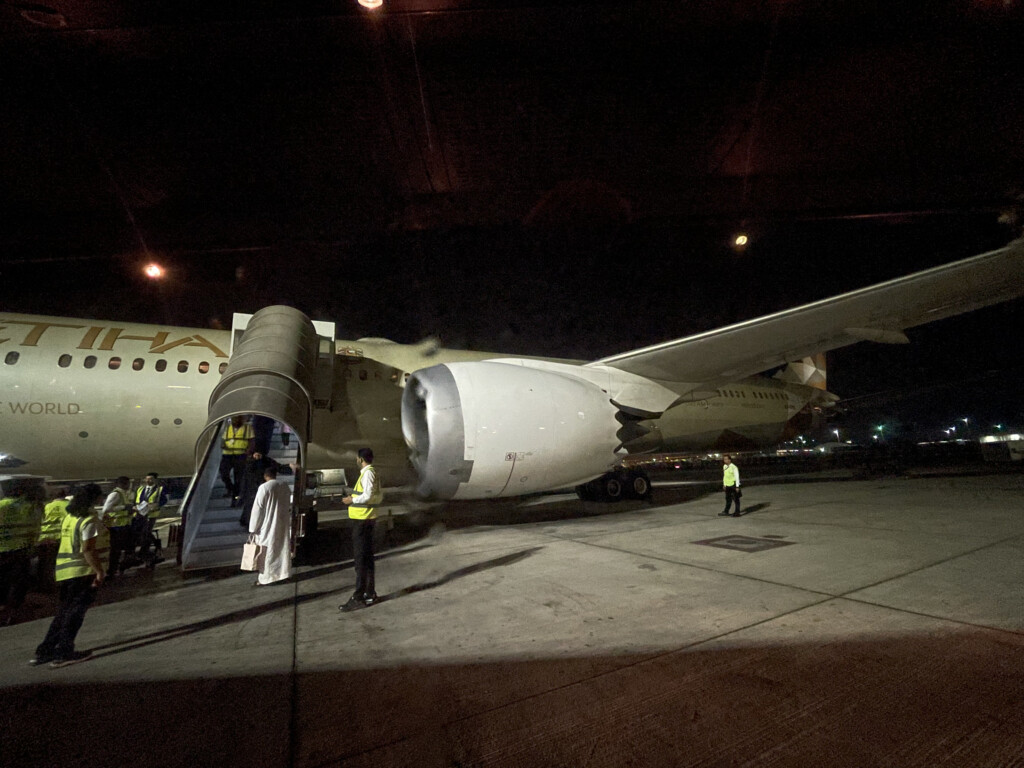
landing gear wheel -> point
(611, 488)
(640, 485)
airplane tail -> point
(810, 372)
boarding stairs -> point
(281, 367)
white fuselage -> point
(93, 399)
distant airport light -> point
(740, 240)
(153, 271)
(371, 4)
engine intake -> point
(489, 429)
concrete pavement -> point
(858, 623)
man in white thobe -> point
(271, 522)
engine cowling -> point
(488, 429)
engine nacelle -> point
(486, 429)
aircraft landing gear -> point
(616, 485)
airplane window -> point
(138, 363)
(204, 367)
(394, 376)
(405, 377)
(64, 361)
(223, 367)
(377, 376)
(12, 358)
(182, 366)
(90, 361)
(161, 365)
(362, 375)
(83, 434)
(154, 422)
(114, 364)
(177, 422)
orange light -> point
(153, 271)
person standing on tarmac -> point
(361, 508)
(148, 500)
(21, 515)
(49, 539)
(731, 486)
(271, 524)
(79, 575)
(117, 515)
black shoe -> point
(74, 658)
(370, 599)
(737, 514)
(723, 514)
(354, 603)
(38, 661)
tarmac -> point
(875, 622)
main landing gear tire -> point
(617, 485)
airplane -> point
(87, 398)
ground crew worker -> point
(49, 539)
(731, 485)
(117, 516)
(238, 437)
(79, 574)
(21, 514)
(149, 497)
(367, 493)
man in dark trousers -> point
(252, 478)
(731, 486)
(362, 509)
(236, 441)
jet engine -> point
(487, 429)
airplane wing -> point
(877, 313)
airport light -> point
(371, 4)
(154, 271)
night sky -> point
(560, 179)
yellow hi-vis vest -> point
(729, 475)
(19, 524)
(53, 516)
(122, 514)
(237, 440)
(152, 500)
(71, 562)
(368, 512)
